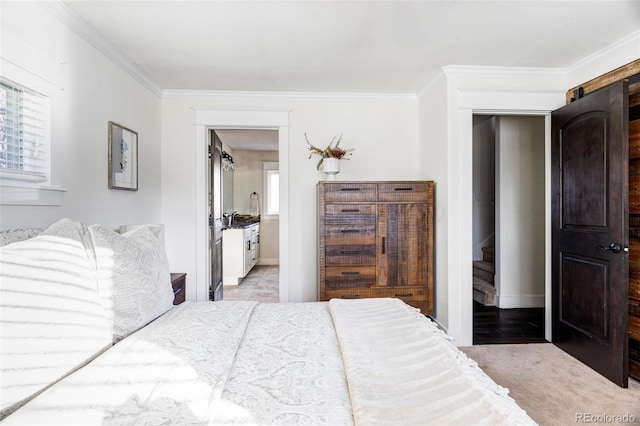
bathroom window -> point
(271, 189)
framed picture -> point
(123, 157)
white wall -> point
(520, 205)
(484, 168)
(382, 129)
(434, 156)
(89, 90)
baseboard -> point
(510, 302)
(269, 261)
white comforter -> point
(244, 363)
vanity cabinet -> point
(376, 240)
(241, 252)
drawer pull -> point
(404, 294)
(350, 231)
(402, 188)
(384, 245)
(349, 189)
(350, 210)
(350, 273)
(352, 252)
(350, 296)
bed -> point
(342, 362)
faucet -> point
(232, 216)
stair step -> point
(489, 254)
(485, 266)
(484, 292)
(484, 271)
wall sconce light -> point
(227, 161)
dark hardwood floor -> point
(492, 325)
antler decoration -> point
(329, 152)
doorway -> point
(508, 229)
(210, 118)
(250, 196)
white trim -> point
(621, 53)
(220, 118)
(480, 71)
(269, 261)
(22, 195)
(460, 269)
(94, 38)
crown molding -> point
(492, 71)
(88, 33)
(601, 62)
(438, 79)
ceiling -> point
(358, 46)
(248, 139)
(348, 46)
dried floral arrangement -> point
(331, 151)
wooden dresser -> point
(376, 240)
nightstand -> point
(178, 282)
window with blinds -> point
(24, 144)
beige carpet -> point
(556, 389)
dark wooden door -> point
(589, 162)
(215, 218)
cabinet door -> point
(403, 244)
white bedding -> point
(244, 363)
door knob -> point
(613, 247)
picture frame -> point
(123, 157)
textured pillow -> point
(19, 234)
(51, 317)
(133, 276)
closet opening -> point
(508, 229)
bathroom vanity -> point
(241, 251)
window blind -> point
(23, 133)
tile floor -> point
(260, 285)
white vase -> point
(331, 167)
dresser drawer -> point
(350, 219)
(404, 293)
(349, 192)
(413, 296)
(403, 191)
(345, 255)
(350, 209)
(350, 234)
(350, 276)
(354, 293)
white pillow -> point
(133, 276)
(51, 317)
